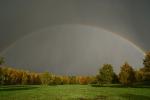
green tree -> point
(105, 74)
(2, 60)
(127, 75)
(99, 80)
(115, 78)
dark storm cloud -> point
(72, 49)
(19, 18)
(129, 18)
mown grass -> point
(73, 92)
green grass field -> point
(72, 92)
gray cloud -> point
(72, 49)
(19, 18)
(129, 18)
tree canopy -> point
(106, 74)
(126, 75)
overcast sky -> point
(129, 19)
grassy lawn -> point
(72, 92)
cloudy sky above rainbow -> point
(74, 36)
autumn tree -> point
(37, 79)
(93, 80)
(65, 79)
(46, 78)
(72, 80)
(126, 75)
(145, 71)
(105, 74)
(5, 76)
(57, 80)
(83, 80)
(1, 74)
(25, 78)
(138, 75)
(146, 60)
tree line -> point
(106, 75)
(11, 76)
(127, 76)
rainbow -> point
(87, 25)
